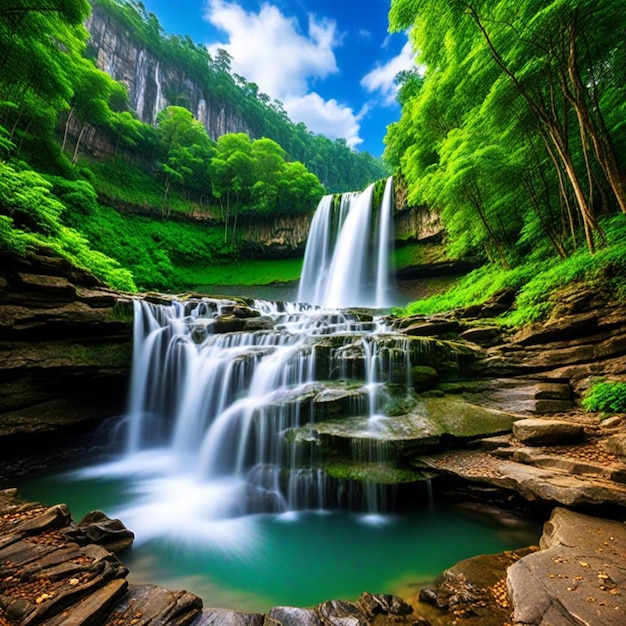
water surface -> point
(255, 562)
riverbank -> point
(55, 571)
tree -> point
(530, 82)
(187, 150)
(232, 174)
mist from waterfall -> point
(221, 419)
(347, 256)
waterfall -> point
(160, 102)
(339, 268)
(230, 415)
(140, 82)
(384, 238)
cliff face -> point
(65, 352)
(152, 85)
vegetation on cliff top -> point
(53, 97)
(513, 130)
(337, 166)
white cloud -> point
(270, 49)
(382, 78)
(326, 117)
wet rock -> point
(424, 377)
(383, 604)
(97, 528)
(423, 427)
(145, 605)
(292, 616)
(341, 613)
(578, 576)
(228, 324)
(541, 432)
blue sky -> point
(331, 62)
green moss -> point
(381, 473)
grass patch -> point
(239, 272)
(537, 281)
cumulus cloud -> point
(382, 78)
(326, 117)
(270, 49)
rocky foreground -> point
(65, 353)
(55, 572)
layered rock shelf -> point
(65, 353)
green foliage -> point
(606, 397)
(338, 167)
(477, 287)
(511, 132)
(30, 218)
(538, 281)
(155, 251)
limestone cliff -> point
(153, 85)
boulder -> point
(432, 327)
(475, 588)
(546, 432)
(98, 528)
(616, 444)
(482, 335)
(577, 578)
(292, 616)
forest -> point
(53, 193)
(513, 128)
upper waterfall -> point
(346, 262)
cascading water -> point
(385, 236)
(160, 102)
(229, 417)
(338, 268)
(140, 81)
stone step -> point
(530, 456)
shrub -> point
(606, 397)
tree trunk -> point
(78, 141)
(67, 127)
(600, 140)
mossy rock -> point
(424, 377)
(379, 473)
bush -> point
(606, 397)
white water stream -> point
(346, 262)
(221, 425)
